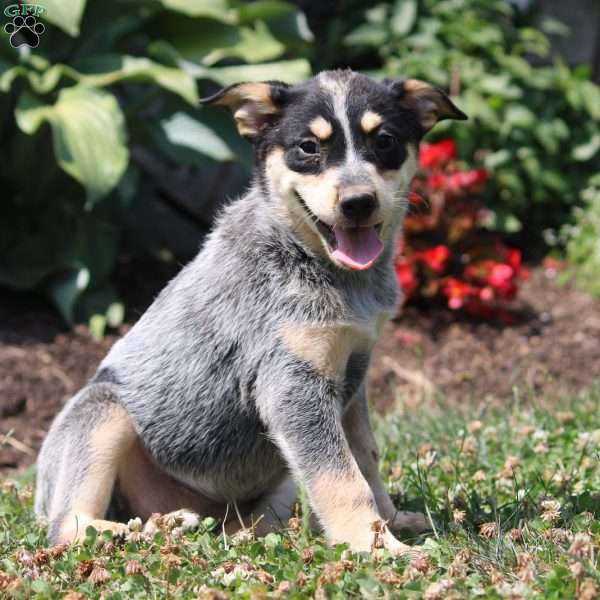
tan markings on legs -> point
(75, 527)
(370, 121)
(146, 489)
(325, 347)
(364, 448)
(320, 128)
(108, 444)
(346, 508)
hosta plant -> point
(107, 80)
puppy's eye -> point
(309, 147)
(384, 142)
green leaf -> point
(115, 314)
(214, 9)
(90, 139)
(64, 289)
(552, 26)
(66, 15)
(590, 94)
(89, 136)
(263, 9)
(181, 129)
(518, 115)
(497, 159)
(100, 307)
(586, 151)
(404, 16)
(290, 71)
(501, 220)
(255, 45)
(43, 82)
(108, 69)
(31, 113)
(366, 35)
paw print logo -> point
(24, 31)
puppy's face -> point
(338, 154)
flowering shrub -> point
(445, 253)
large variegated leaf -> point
(65, 288)
(215, 9)
(89, 136)
(189, 133)
(65, 14)
(254, 46)
(107, 69)
(104, 70)
(290, 71)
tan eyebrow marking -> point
(321, 128)
(370, 120)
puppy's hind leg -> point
(270, 513)
(78, 464)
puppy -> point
(246, 375)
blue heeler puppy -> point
(246, 375)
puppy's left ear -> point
(430, 103)
(254, 105)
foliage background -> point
(103, 118)
(103, 145)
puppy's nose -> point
(358, 208)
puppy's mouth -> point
(356, 248)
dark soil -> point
(553, 348)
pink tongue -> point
(357, 247)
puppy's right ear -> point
(255, 105)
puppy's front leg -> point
(304, 419)
(358, 430)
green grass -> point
(513, 492)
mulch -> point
(552, 348)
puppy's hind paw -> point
(414, 521)
(184, 521)
(177, 523)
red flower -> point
(486, 294)
(437, 181)
(415, 198)
(406, 278)
(457, 292)
(434, 155)
(512, 256)
(500, 274)
(446, 206)
(435, 258)
(466, 179)
(501, 279)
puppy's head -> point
(337, 154)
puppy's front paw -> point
(383, 538)
(118, 530)
(399, 549)
(415, 521)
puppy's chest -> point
(338, 350)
